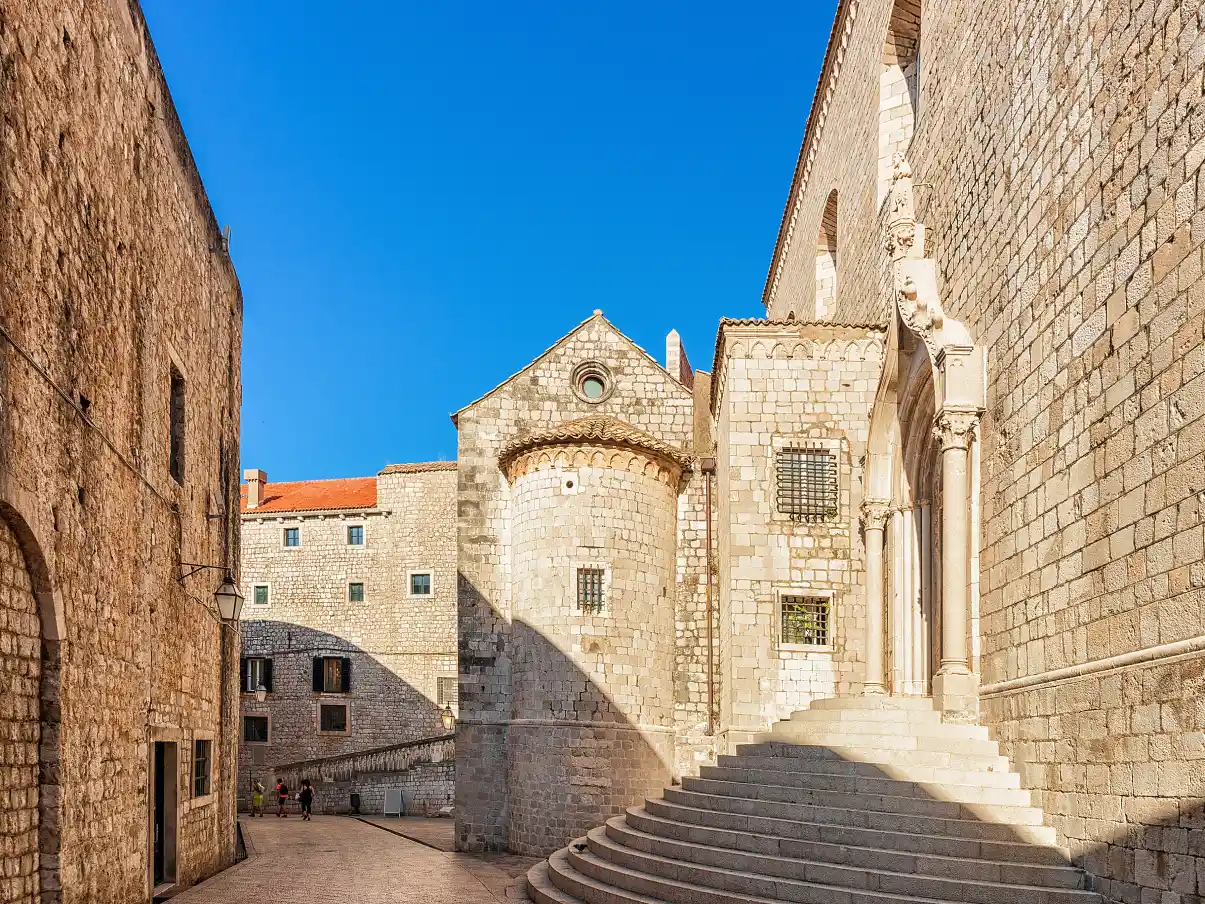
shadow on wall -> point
(362, 706)
(564, 753)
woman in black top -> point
(307, 798)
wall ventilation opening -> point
(899, 87)
(826, 261)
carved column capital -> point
(875, 513)
(955, 429)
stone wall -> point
(542, 395)
(399, 645)
(1064, 148)
(784, 385)
(115, 275)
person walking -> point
(282, 799)
(257, 800)
(307, 799)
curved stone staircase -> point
(859, 800)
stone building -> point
(120, 336)
(957, 505)
(350, 630)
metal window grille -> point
(807, 484)
(200, 768)
(332, 717)
(590, 590)
(805, 620)
(255, 729)
(449, 691)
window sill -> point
(803, 648)
(204, 800)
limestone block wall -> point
(593, 691)
(399, 645)
(1066, 148)
(114, 277)
(541, 395)
(783, 385)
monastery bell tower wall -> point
(594, 552)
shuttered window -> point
(332, 675)
(255, 671)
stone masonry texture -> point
(399, 645)
(1057, 150)
(115, 282)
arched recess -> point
(32, 627)
(899, 87)
(826, 260)
(922, 483)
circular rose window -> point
(592, 382)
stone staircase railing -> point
(346, 767)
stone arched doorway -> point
(30, 689)
(919, 508)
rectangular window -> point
(355, 593)
(260, 595)
(200, 767)
(355, 536)
(255, 729)
(176, 452)
(807, 484)
(420, 583)
(448, 691)
(332, 717)
(805, 620)
(292, 536)
(590, 590)
(332, 675)
(256, 673)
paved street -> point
(338, 859)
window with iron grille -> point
(200, 767)
(590, 590)
(805, 620)
(807, 484)
(448, 691)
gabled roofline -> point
(826, 86)
(597, 315)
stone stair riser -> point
(795, 733)
(893, 822)
(862, 704)
(889, 729)
(937, 759)
(882, 786)
(906, 841)
(828, 769)
(1021, 814)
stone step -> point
(820, 723)
(799, 733)
(676, 840)
(554, 881)
(893, 822)
(541, 890)
(915, 704)
(859, 785)
(822, 885)
(882, 839)
(1012, 814)
(939, 759)
(902, 716)
(846, 769)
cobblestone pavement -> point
(338, 859)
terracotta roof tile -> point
(315, 495)
(419, 467)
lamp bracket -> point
(195, 567)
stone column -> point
(874, 518)
(955, 689)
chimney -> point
(675, 360)
(256, 481)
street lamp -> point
(230, 601)
(448, 718)
(261, 693)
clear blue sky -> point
(425, 196)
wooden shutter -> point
(346, 675)
(317, 674)
(242, 674)
(268, 674)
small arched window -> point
(826, 261)
(899, 87)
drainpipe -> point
(708, 468)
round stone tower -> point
(593, 521)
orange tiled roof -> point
(315, 495)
